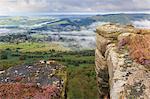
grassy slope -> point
(82, 83)
(33, 47)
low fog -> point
(142, 23)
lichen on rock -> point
(126, 52)
(40, 80)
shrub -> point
(22, 57)
(4, 56)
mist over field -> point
(142, 23)
(75, 32)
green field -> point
(81, 77)
(33, 47)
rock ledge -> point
(123, 62)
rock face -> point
(36, 81)
(123, 62)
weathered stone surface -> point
(101, 43)
(124, 53)
(102, 74)
(111, 31)
(35, 81)
(28, 91)
(128, 79)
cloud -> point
(49, 6)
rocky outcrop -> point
(123, 62)
(41, 80)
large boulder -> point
(123, 53)
(40, 80)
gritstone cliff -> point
(123, 62)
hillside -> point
(122, 62)
(67, 30)
(70, 40)
(21, 57)
(121, 18)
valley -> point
(68, 40)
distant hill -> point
(121, 18)
(75, 23)
(66, 24)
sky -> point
(25, 7)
